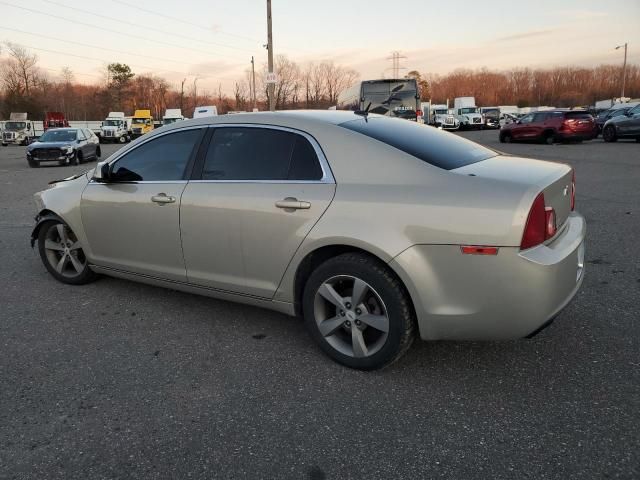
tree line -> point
(26, 87)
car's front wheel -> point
(63, 255)
(358, 312)
(609, 134)
(505, 137)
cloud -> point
(526, 35)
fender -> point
(44, 216)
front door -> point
(260, 192)
(132, 222)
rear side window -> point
(245, 154)
(435, 147)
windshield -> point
(391, 98)
(15, 125)
(112, 123)
(468, 110)
(168, 121)
(440, 112)
(59, 136)
(431, 145)
(138, 121)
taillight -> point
(541, 224)
(573, 191)
(550, 222)
(535, 228)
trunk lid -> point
(552, 179)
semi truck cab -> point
(141, 123)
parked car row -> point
(572, 126)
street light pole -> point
(624, 66)
(270, 86)
(253, 82)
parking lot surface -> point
(122, 380)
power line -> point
(193, 39)
(110, 30)
(133, 65)
(186, 22)
(93, 46)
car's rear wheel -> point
(33, 163)
(358, 312)
(62, 254)
(609, 134)
(98, 153)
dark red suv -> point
(551, 126)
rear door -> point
(260, 191)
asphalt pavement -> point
(122, 380)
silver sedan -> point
(374, 230)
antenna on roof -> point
(364, 113)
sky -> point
(212, 41)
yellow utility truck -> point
(141, 123)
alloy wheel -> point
(351, 316)
(63, 251)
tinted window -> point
(239, 153)
(527, 118)
(578, 115)
(442, 149)
(81, 135)
(164, 158)
(304, 161)
(540, 117)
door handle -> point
(162, 198)
(291, 203)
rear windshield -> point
(578, 115)
(441, 149)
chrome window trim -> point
(327, 174)
(153, 137)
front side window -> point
(527, 119)
(245, 154)
(81, 135)
(164, 158)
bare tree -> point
(21, 73)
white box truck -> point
(115, 128)
(206, 111)
(18, 130)
(467, 112)
(440, 117)
(172, 115)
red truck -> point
(54, 120)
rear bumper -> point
(484, 297)
(577, 136)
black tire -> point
(33, 164)
(399, 310)
(505, 138)
(86, 275)
(98, 152)
(76, 159)
(549, 138)
(5, 144)
(609, 134)
(638, 139)
(122, 139)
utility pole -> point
(253, 82)
(182, 94)
(270, 86)
(624, 66)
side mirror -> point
(101, 173)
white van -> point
(207, 111)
